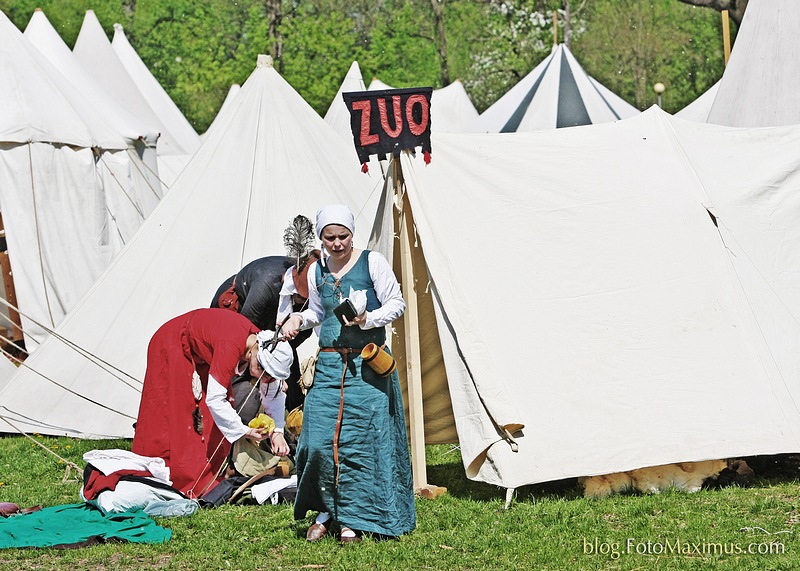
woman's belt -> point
(344, 351)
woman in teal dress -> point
(353, 462)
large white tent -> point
(556, 93)
(699, 109)
(637, 308)
(452, 111)
(270, 158)
(139, 189)
(761, 81)
(60, 163)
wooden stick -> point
(726, 36)
(555, 27)
(413, 354)
(8, 283)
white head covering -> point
(335, 214)
(276, 363)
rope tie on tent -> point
(45, 377)
(38, 235)
(13, 344)
(69, 465)
(91, 357)
(101, 159)
(135, 165)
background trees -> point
(197, 49)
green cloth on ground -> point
(74, 523)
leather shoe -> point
(349, 538)
(316, 532)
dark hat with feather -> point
(298, 239)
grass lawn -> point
(547, 527)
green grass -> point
(547, 527)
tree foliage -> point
(198, 48)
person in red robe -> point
(186, 415)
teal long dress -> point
(374, 492)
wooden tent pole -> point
(413, 354)
(726, 36)
(8, 283)
(555, 27)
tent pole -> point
(726, 36)
(555, 27)
(413, 354)
(8, 283)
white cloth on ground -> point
(269, 490)
(114, 459)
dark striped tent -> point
(557, 93)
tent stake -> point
(509, 496)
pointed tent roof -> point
(633, 305)
(452, 110)
(761, 81)
(43, 36)
(94, 52)
(171, 117)
(337, 116)
(377, 84)
(233, 91)
(557, 93)
(39, 104)
(699, 109)
(271, 157)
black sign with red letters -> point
(389, 121)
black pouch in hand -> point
(345, 310)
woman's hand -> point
(279, 446)
(292, 326)
(359, 320)
(255, 435)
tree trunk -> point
(274, 16)
(441, 39)
(735, 8)
(567, 26)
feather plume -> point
(298, 238)
(197, 420)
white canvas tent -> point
(271, 158)
(761, 81)
(452, 110)
(377, 85)
(637, 309)
(138, 189)
(59, 166)
(556, 93)
(699, 109)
